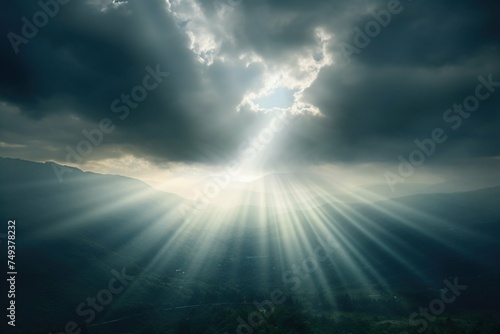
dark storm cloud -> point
(377, 112)
(85, 58)
(435, 34)
(394, 91)
(398, 88)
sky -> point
(171, 91)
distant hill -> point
(71, 234)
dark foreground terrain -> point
(107, 254)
